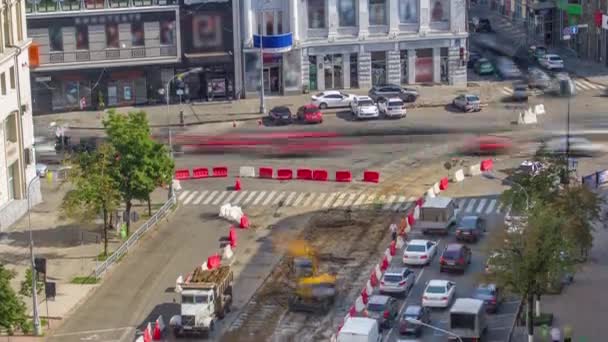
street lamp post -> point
(37, 331)
(419, 322)
(262, 100)
(167, 97)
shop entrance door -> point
(272, 79)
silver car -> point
(332, 99)
(467, 103)
(397, 280)
(392, 108)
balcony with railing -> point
(53, 6)
(108, 57)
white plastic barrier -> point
(400, 243)
(247, 172)
(176, 185)
(527, 118)
(388, 255)
(474, 170)
(436, 188)
(539, 109)
(359, 306)
(459, 176)
(416, 213)
(178, 282)
(368, 287)
(227, 255)
(430, 193)
(225, 210)
(232, 213)
(204, 266)
(378, 272)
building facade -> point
(17, 164)
(342, 44)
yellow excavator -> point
(314, 292)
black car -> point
(473, 58)
(484, 26)
(416, 312)
(388, 91)
(470, 228)
(280, 115)
(490, 295)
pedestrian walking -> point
(556, 335)
(393, 229)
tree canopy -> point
(12, 308)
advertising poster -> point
(602, 177)
(424, 69)
(207, 31)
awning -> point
(220, 57)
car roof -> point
(363, 97)
(487, 286)
(395, 270)
(379, 299)
(454, 246)
(437, 202)
(359, 325)
(467, 305)
(412, 309)
(438, 282)
(283, 108)
(418, 242)
(331, 92)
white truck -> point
(360, 329)
(206, 296)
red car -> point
(309, 113)
(488, 145)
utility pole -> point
(37, 330)
(262, 105)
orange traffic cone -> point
(237, 185)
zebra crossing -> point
(392, 202)
(581, 86)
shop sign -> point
(602, 177)
(43, 79)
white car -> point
(576, 146)
(419, 252)
(363, 107)
(332, 99)
(551, 62)
(397, 280)
(439, 294)
(392, 108)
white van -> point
(468, 319)
(360, 329)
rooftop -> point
(437, 202)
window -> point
(404, 60)
(19, 21)
(112, 40)
(137, 34)
(408, 11)
(10, 128)
(167, 32)
(347, 14)
(440, 10)
(11, 77)
(12, 170)
(269, 23)
(316, 14)
(279, 23)
(354, 72)
(55, 38)
(378, 67)
(82, 37)
(7, 29)
(377, 12)
(3, 83)
(462, 321)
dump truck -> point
(206, 296)
(437, 215)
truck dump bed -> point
(207, 278)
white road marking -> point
(340, 200)
(183, 195)
(481, 205)
(359, 200)
(189, 198)
(407, 205)
(230, 197)
(269, 198)
(91, 332)
(389, 202)
(200, 197)
(240, 197)
(470, 206)
(278, 199)
(219, 198)
(370, 199)
(308, 201)
(319, 200)
(299, 199)
(589, 84)
(507, 91)
(581, 85)
(400, 201)
(250, 197)
(419, 275)
(491, 206)
(259, 198)
(290, 198)
(462, 202)
(350, 200)
(210, 197)
(330, 199)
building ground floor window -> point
(354, 72)
(379, 69)
(281, 73)
(424, 66)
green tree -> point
(26, 285)
(12, 309)
(160, 169)
(95, 189)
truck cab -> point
(468, 319)
(437, 215)
(197, 308)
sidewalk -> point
(71, 250)
(248, 109)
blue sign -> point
(602, 177)
(274, 44)
(571, 30)
(590, 181)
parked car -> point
(473, 58)
(506, 69)
(332, 99)
(483, 66)
(470, 228)
(419, 252)
(416, 312)
(467, 103)
(280, 115)
(392, 108)
(538, 79)
(576, 146)
(41, 169)
(484, 26)
(551, 62)
(531, 168)
(309, 113)
(397, 280)
(391, 91)
(520, 91)
(490, 295)
(384, 309)
(363, 107)
(537, 52)
(455, 257)
(438, 293)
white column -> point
(425, 12)
(458, 16)
(294, 22)
(363, 19)
(247, 23)
(321, 72)
(411, 66)
(393, 67)
(346, 70)
(393, 18)
(436, 65)
(332, 19)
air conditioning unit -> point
(24, 108)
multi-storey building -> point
(17, 165)
(340, 44)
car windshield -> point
(365, 103)
(484, 292)
(310, 110)
(395, 103)
(415, 248)
(451, 254)
(472, 98)
(198, 299)
(435, 289)
(555, 58)
(375, 307)
(281, 110)
(468, 223)
(320, 95)
(392, 278)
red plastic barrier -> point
(220, 171)
(373, 280)
(384, 264)
(214, 261)
(244, 222)
(486, 165)
(320, 175)
(410, 219)
(200, 172)
(284, 174)
(265, 172)
(305, 174)
(364, 296)
(182, 174)
(352, 311)
(420, 201)
(371, 176)
(443, 183)
(232, 237)
(393, 248)
(344, 176)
